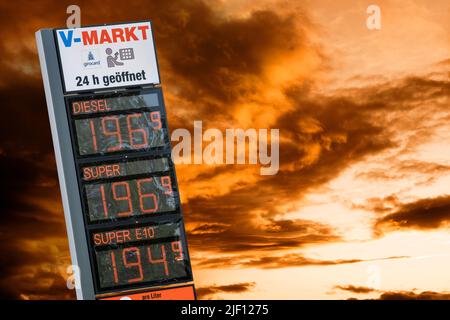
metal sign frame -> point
(69, 165)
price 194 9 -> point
(141, 264)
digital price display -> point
(134, 184)
(118, 182)
(145, 254)
(100, 130)
(122, 132)
(130, 197)
(113, 199)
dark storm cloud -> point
(209, 228)
(24, 129)
(243, 235)
(221, 54)
(396, 295)
(399, 95)
(32, 234)
(209, 292)
(410, 295)
(422, 214)
(35, 270)
(347, 135)
(345, 130)
(355, 289)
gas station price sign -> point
(126, 177)
(118, 182)
(117, 124)
(143, 254)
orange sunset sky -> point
(360, 207)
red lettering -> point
(97, 239)
(90, 106)
(144, 29)
(102, 105)
(137, 234)
(86, 106)
(117, 33)
(119, 237)
(87, 173)
(116, 169)
(89, 39)
(101, 170)
(129, 34)
(111, 236)
(76, 108)
(104, 37)
(126, 235)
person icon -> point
(112, 61)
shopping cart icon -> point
(126, 54)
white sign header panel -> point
(106, 57)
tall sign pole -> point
(112, 146)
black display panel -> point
(123, 169)
(117, 103)
(145, 263)
(129, 191)
(127, 198)
(144, 254)
(123, 132)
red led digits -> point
(176, 248)
(156, 120)
(127, 198)
(114, 266)
(135, 131)
(137, 264)
(134, 265)
(117, 132)
(163, 259)
(143, 196)
(94, 136)
(167, 184)
(132, 197)
(105, 206)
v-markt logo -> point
(90, 59)
(105, 35)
